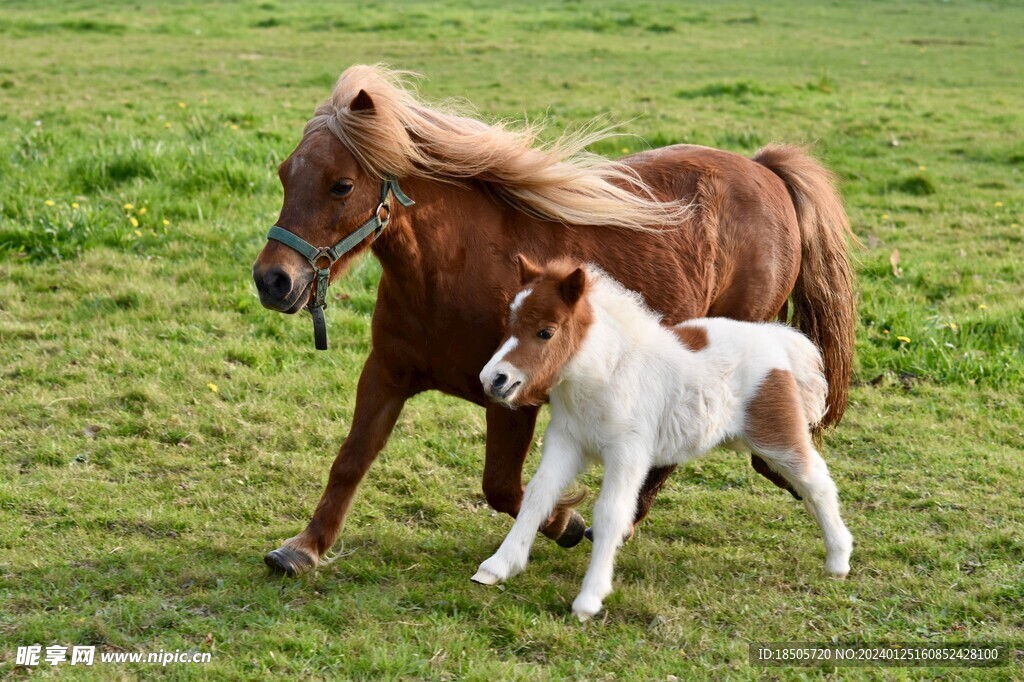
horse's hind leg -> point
(656, 478)
(509, 436)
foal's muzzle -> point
(502, 384)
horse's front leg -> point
(559, 465)
(509, 436)
(378, 403)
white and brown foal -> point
(634, 394)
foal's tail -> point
(808, 371)
(823, 298)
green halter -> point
(314, 254)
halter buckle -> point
(323, 252)
(386, 210)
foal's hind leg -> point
(777, 431)
(808, 473)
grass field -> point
(160, 430)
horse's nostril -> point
(499, 380)
(277, 283)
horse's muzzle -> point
(280, 291)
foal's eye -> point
(546, 333)
(341, 188)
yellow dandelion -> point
(982, 307)
(166, 222)
(903, 339)
(921, 168)
(182, 105)
(212, 387)
(133, 221)
(952, 325)
(999, 204)
(234, 127)
(128, 207)
(885, 216)
(625, 150)
(138, 233)
(167, 125)
(143, 210)
(74, 204)
(49, 202)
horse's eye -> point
(546, 333)
(341, 188)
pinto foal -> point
(635, 394)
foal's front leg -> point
(559, 464)
(624, 474)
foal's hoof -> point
(483, 577)
(574, 531)
(289, 561)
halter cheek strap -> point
(322, 258)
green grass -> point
(136, 502)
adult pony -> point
(699, 232)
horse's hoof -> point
(483, 577)
(289, 561)
(574, 531)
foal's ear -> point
(362, 102)
(572, 286)
(527, 270)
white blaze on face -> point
(497, 365)
(490, 369)
(517, 302)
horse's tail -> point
(823, 298)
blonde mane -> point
(561, 182)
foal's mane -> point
(404, 136)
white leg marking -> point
(613, 519)
(821, 500)
(558, 467)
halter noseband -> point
(315, 254)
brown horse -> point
(699, 232)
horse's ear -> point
(572, 286)
(527, 270)
(362, 102)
